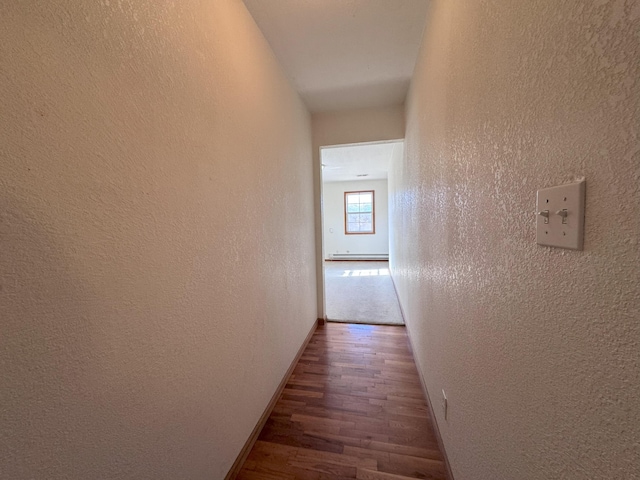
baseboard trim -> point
(244, 453)
(431, 411)
(356, 259)
(424, 389)
(395, 289)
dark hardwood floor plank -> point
(363, 474)
(353, 408)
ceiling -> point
(344, 54)
(348, 163)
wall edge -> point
(253, 437)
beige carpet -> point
(361, 292)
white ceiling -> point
(345, 163)
(343, 54)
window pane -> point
(359, 212)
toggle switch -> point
(545, 214)
(564, 214)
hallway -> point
(353, 408)
(361, 292)
(163, 224)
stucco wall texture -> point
(538, 349)
(157, 269)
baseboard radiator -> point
(358, 256)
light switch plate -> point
(560, 216)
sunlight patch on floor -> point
(366, 273)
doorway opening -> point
(358, 286)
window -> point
(359, 213)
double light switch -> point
(560, 216)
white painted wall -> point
(154, 165)
(395, 235)
(342, 128)
(335, 240)
(537, 348)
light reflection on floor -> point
(360, 327)
(366, 273)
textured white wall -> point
(342, 128)
(154, 165)
(537, 348)
(333, 208)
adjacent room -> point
(355, 214)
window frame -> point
(373, 212)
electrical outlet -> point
(445, 405)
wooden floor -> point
(353, 408)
